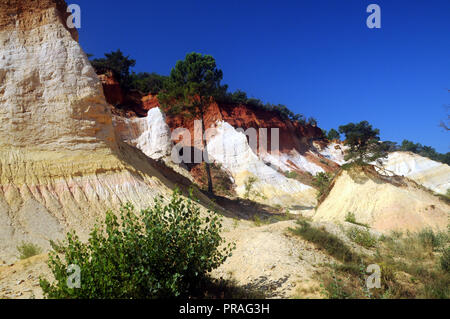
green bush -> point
(162, 252)
(428, 238)
(351, 218)
(27, 250)
(362, 237)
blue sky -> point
(316, 56)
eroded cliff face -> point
(431, 174)
(230, 148)
(61, 165)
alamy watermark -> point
(374, 19)
(74, 276)
(74, 20)
(184, 151)
(374, 279)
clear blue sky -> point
(316, 56)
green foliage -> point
(409, 268)
(312, 121)
(429, 238)
(322, 182)
(192, 83)
(249, 192)
(27, 250)
(249, 185)
(351, 218)
(291, 174)
(162, 252)
(239, 97)
(362, 237)
(333, 288)
(391, 146)
(148, 83)
(323, 239)
(117, 63)
(364, 143)
(426, 151)
(333, 135)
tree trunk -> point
(205, 153)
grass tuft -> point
(27, 250)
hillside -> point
(74, 145)
(384, 203)
(61, 165)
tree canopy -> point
(333, 135)
(193, 82)
(426, 151)
(364, 143)
(197, 75)
(119, 64)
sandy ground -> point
(266, 257)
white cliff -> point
(429, 173)
(230, 148)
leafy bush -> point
(27, 250)
(162, 252)
(362, 237)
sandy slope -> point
(400, 204)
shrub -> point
(162, 252)
(249, 192)
(362, 237)
(350, 218)
(334, 288)
(291, 174)
(27, 250)
(432, 240)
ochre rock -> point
(61, 165)
(382, 202)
